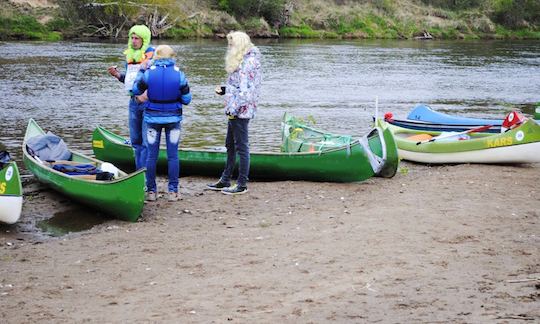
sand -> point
(437, 244)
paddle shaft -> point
(474, 130)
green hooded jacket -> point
(137, 55)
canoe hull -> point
(336, 165)
(422, 117)
(425, 113)
(528, 153)
(296, 136)
(10, 209)
(122, 198)
(519, 145)
(11, 194)
(438, 127)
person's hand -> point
(220, 90)
(142, 98)
(114, 71)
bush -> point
(302, 31)
(58, 24)
(270, 10)
(25, 27)
(516, 13)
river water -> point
(65, 87)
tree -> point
(516, 13)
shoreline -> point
(435, 243)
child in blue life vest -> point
(167, 90)
(138, 53)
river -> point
(65, 87)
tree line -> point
(278, 18)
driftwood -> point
(519, 317)
(523, 280)
(156, 22)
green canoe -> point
(519, 145)
(381, 152)
(343, 164)
(11, 193)
(122, 197)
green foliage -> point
(189, 32)
(303, 31)
(515, 13)
(25, 27)
(180, 33)
(58, 24)
(506, 33)
(111, 18)
(253, 24)
(454, 4)
(444, 19)
(445, 33)
(387, 6)
(270, 10)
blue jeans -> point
(136, 133)
(237, 142)
(153, 137)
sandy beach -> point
(434, 244)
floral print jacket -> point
(243, 87)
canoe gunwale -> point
(119, 197)
(438, 127)
(336, 165)
(123, 175)
(118, 140)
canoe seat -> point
(419, 137)
(85, 176)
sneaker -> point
(173, 196)
(235, 190)
(218, 186)
(151, 196)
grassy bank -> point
(381, 19)
(22, 27)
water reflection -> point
(71, 221)
(66, 88)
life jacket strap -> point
(163, 101)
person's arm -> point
(113, 70)
(139, 87)
(184, 91)
(247, 90)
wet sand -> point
(433, 244)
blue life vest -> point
(163, 80)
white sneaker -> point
(173, 196)
(151, 196)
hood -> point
(133, 55)
(254, 51)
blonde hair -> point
(164, 51)
(239, 45)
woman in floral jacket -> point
(243, 65)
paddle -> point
(474, 130)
